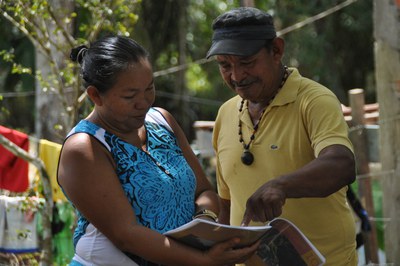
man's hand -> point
(265, 204)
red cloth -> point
(13, 170)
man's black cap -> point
(241, 31)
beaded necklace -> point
(247, 157)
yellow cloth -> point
(49, 152)
(304, 118)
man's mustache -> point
(243, 83)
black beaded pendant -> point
(247, 157)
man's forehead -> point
(227, 57)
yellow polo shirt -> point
(304, 118)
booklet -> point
(282, 243)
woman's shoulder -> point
(160, 116)
(84, 132)
(85, 126)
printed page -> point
(282, 243)
(286, 245)
(203, 234)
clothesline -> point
(21, 178)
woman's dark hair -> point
(105, 59)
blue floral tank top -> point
(160, 185)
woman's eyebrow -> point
(136, 89)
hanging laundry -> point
(49, 152)
(13, 170)
(19, 224)
(63, 225)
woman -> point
(129, 170)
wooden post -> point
(360, 142)
(387, 74)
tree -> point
(336, 50)
(387, 42)
(16, 112)
(55, 28)
(178, 49)
(322, 50)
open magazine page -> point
(286, 245)
(203, 234)
(282, 243)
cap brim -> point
(235, 47)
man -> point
(281, 143)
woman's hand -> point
(224, 253)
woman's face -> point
(125, 105)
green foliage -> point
(7, 56)
(197, 80)
(31, 204)
(203, 80)
(54, 30)
(377, 197)
(15, 78)
(336, 50)
(94, 17)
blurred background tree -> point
(51, 83)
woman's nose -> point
(142, 103)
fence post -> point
(360, 143)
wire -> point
(188, 98)
(316, 17)
(180, 67)
(17, 94)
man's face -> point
(252, 77)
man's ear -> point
(94, 95)
(278, 48)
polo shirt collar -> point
(287, 94)
(289, 90)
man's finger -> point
(246, 218)
(277, 210)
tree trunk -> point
(360, 142)
(183, 106)
(249, 3)
(52, 120)
(387, 65)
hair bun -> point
(78, 53)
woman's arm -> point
(225, 212)
(87, 175)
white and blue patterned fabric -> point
(160, 187)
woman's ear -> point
(94, 95)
